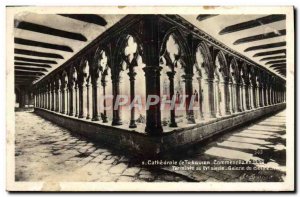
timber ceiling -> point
(44, 42)
(262, 38)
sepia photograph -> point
(150, 98)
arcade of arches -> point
(152, 55)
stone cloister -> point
(164, 56)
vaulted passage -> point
(61, 155)
(147, 84)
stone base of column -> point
(104, 119)
(80, 116)
(154, 130)
(132, 124)
(212, 115)
(202, 117)
(116, 122)
(173, 124)
(95, 118)
(190, 120)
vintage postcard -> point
(150, 98)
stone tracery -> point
(143, 64)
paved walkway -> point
(47, 152)
(263, 144)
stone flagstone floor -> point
(264, 140)
(47, 152)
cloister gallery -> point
(152, 83)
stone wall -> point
(142, 143)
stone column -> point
(267, 95)
(273, 96)
(153, 114)
(103, 83)
(250, 90)
(41, 101)
(257, 95)
(247, 97)
(233, 97)
(152, 73)
(46, 96)
(251, 96)
(230, 99)
(242, 99)
(43, 104)
(132, 75)
(71, 99)
(63, 94)
(57, 96)
(216, 97)
(171, 75)
(210, 98)
(38, 102)
(270, 96)
(52, 97)
(254, 96)
(36, 99)
(238, 97)
(76, 99)
(80, 98)
(88, 99)
(189, 92)
(200, 98)
(95, 115)
(116, 109)
(43, 98)
(49, 97)
(224, 106)
(67, 100)
(205, 99)
(262, 96)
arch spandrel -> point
(118, 49)
(204, 61)
(221, 66)
(185, 55)
(234, 70)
